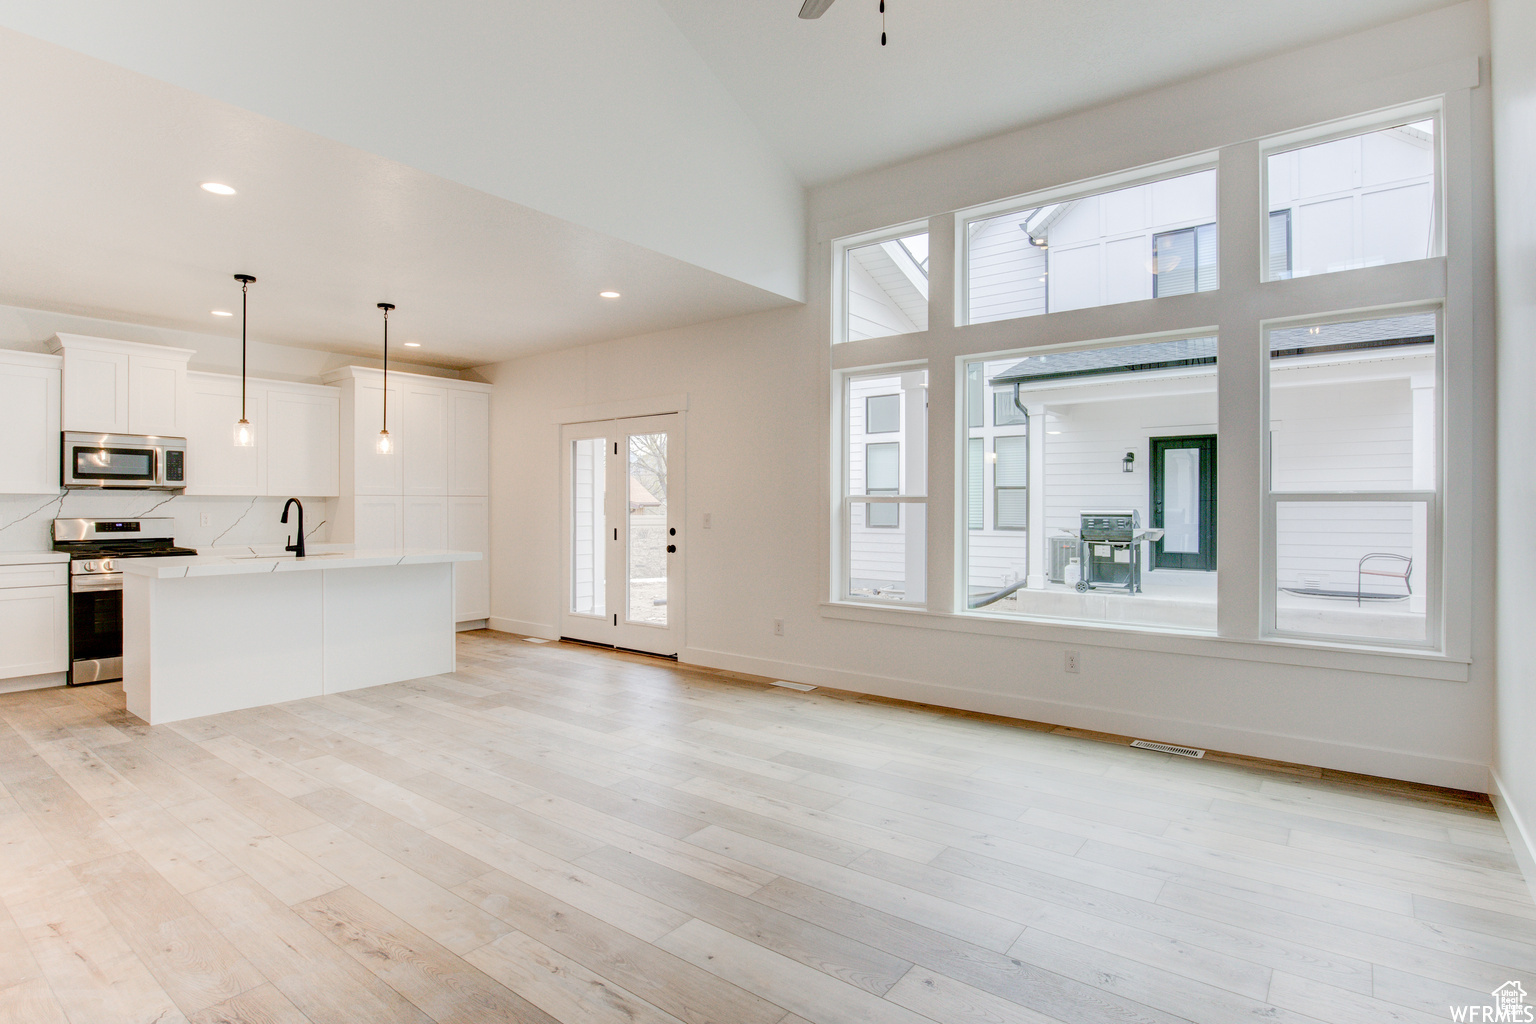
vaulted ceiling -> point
(491, 167)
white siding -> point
(882, 301)
(1342, 437)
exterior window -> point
(1010, 489)
(1354, 477)
(885, 287)
(1279, 245)
(1091, 250)
(882, 414)
(1004, 412)
(975, 491)
(882, 466)
(1085, 453)
(884, 541)
(1184, 261)
(1359, 201)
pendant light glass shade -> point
(245, 437)
(385, 446)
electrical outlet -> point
(709, 520)
(1073, 664)
(205, 519)
(778, 627)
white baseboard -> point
(1363, 760)
(538, 629)
(1521, 840)
(469, 624)
(38, 682)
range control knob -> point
(108, 566)
(88, 566)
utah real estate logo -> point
(1508, 1005)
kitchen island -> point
(204, 634)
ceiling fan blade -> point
(814, 8)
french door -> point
(623, 525)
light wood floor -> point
(558, 834)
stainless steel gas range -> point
(96, 547)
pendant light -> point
(245, 437)
(385, 445)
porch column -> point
(1424, 459)
(1039, 551)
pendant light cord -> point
(386, 307)
(244, 288)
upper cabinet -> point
(123, 387)
(469, 416)
(29, 422)
(303, 438)
(296, 427)
(439, 427)
(425, 451)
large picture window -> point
(1354, 476)
(1360, 201)
(885, 417)
(1138, 242)
(1083, 454)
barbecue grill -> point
(1109, 549)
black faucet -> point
(297, 547)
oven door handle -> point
(102, 581)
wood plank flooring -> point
(555, 834)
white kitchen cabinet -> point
(157, 395)
(215, 465)
(29, 422)
(375, 521)
(302, 440)
(123, 387)
(469, 435)
(34, 619)
(426, 522)
(424, 448)
(469, 529)
(373, 473)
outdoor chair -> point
(1382, 563)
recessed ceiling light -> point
(413, 344)
(217, 189)
(220, 312)
(607, 295)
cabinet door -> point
(469, 443)
(34, 631)
(157, 396)
(29, 423)
(377, 522)
(214, 464)
(426, 523)
(469, 529)
(375, 473)
(96, 391)
(303, 430)
(426, 439)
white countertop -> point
(32, 557)
(237, 561)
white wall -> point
(759, 437)
(1514, 111)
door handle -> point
(671, 549)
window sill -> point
(1298, 653)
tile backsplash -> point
(25, 519)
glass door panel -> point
(647, 557)
(589, 525)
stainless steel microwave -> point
(124, 460)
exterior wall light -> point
(1128, 464)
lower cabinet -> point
(378, 521)
(469, 529)
(34, 620)
(426, 522)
